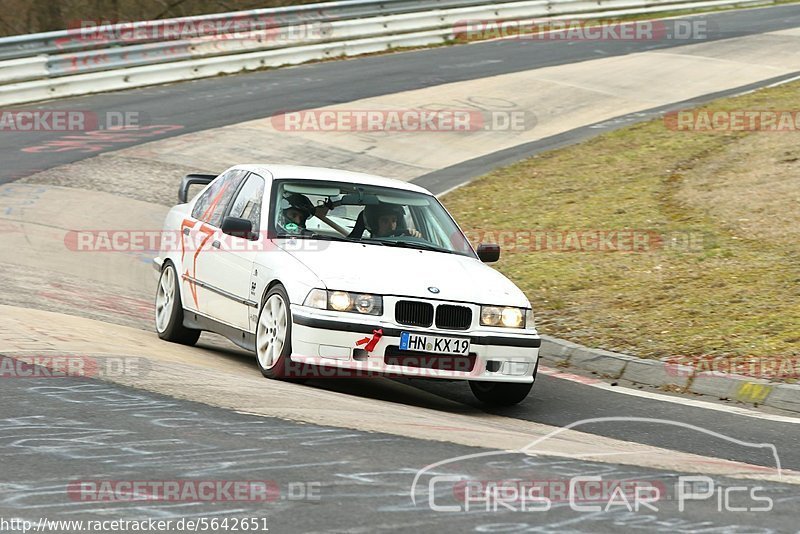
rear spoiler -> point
(190, 180)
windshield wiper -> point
(370, 241)
(415, 245)
(312, 235)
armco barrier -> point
(122, 65)
(27, 68)
(71, 41)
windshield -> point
(380, 216)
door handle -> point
(215, 244)
(185, 231)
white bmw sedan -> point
(322, 272)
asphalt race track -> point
(362, 479)
(343, 455)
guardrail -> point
(111, 57)
(154, 30)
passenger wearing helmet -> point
(299, 210)
(387, 220)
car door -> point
(226, 268)
(197, 234)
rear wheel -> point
(500, 393)
(169, 309)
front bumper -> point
(325, 338)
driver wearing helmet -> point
(387, 220)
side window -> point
(211, 205)
(247, 204)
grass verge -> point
(719, 274)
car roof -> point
(300, 172)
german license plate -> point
(433, 344)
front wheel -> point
(500, 393)
(274, 335)
(169, 310)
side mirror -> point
(190, 180)
(237, 227)
(489, 252)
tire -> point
(500, 393)
(169, 309)
(274, 337)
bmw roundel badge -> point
(433, 290)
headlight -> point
(344, 301)
(512, 318)
(503, 316)
(490, 315)
(367, 303)
(339, 300)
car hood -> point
(388, 270)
